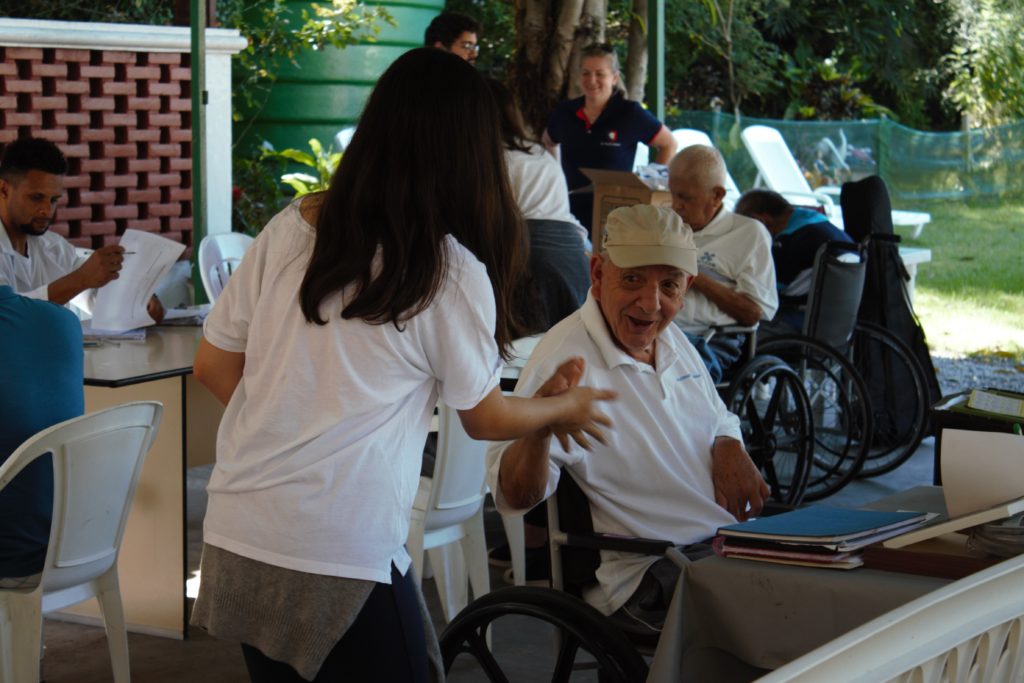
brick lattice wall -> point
(124, 121)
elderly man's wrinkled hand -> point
(739, 487)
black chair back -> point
(836, 289)
(866, 208)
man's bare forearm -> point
(63, 290)
(738, 306)
(523, 473)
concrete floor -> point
(78, 654)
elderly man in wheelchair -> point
(673, 466)
(735, 284)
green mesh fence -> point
(916, 165)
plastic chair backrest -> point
(97, 459)
(776, 167)
(966, 630)
(459, 488)
(837, 285)
(343, 137)
(687, 137)
(643, 156)
(220, 255)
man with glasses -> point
(455, 33)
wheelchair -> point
(582, 637)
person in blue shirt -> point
(40, 385)
(797, 234)
(601, 129)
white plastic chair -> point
(687, 137)
(220, 255)
(777, 170)
(97, 459)
(643, 156)
(343, 137)
(969, 630)
(513, 524)
(449, 509)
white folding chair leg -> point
(450, 578)
(517, 546)
(474, 550)
(21, 658)
(109, 597)
(414, 546)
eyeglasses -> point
(468, 47)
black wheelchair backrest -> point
(837, 286)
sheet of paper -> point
(980, 469)
(121, 304)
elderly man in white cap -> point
(672, 466)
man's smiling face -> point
(637, 303)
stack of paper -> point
(817, 536)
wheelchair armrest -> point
(626, 544)
(732, 329)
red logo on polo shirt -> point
(613, 135)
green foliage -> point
(157, 12)
(322, 161)
(987, 63)
(276, 34)
(717, 54)
(817, 90)
(257, 194)
(888, 49)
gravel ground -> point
(957, 373)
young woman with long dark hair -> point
(353, 312)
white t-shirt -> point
(539, 186)
(319, 449)
(50, 257)
(736, 251)
(653, 478)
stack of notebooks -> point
(816, 536)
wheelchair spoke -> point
(476, 645)
(756, 425)
(566, 658)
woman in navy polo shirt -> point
(602, 128)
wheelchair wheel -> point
(840, 407)
(896, 385)
(582, 634)
(777, 425)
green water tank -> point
(325, 90)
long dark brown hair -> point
(426, 161)
(513, 130)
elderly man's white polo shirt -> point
(653, 478)
(736, 251)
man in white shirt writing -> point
(38, 263)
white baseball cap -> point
(645, 235)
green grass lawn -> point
(970, 297)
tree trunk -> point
(635, 73)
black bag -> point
(867, 215)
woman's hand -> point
(583, 418)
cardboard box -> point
(613, 189)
